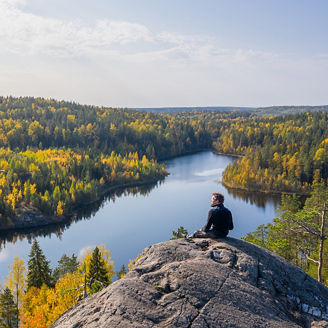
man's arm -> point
(209, 222)
(230, 221)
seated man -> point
(219, 220)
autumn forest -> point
(58, 156)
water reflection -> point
(258, 198)
(84, 213)
(90, 210)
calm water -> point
(131, 220)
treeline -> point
(36, 296)
(299, 233)
(286, 153)
(43, 123)
(287, 110)
(56, 181)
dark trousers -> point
(209, 234)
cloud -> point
(14, 2)
(4, 255)
(208, 173)
(25, 33)
(121, 63)
(83, 252)
(22, 32)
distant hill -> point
(196, 108)
(286, 110)
(272, 110)
(23, 102)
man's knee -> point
(199, 234)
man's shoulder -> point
(218, 209)
(225, 209)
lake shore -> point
(264, 191)
(28, 216)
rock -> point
(201, 283)
(27, 217)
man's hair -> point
(219, 197)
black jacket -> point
(219, 219)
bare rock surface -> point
(27, 217)
(202, 283)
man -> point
(219, 220)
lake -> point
(130, 220)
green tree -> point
(259, 236)
(8, 310)
(38, 272)
(311, 222)
(300, 232)
(56, 195)
(98, 274)
(66, 265)
(180, 233)
(123, 271)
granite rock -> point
(202, 283)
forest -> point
(42, 124)
(55, 155)
(284, 153)
(58, 156)
(56, 181)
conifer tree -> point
(120, 274)
(8, 310)
(180, 233)
(38, 272)
(66, 265)
(311, 223)
(300, 233)
(98, 273)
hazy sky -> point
(149, 53)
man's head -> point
(217, 198)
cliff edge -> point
(206, 283)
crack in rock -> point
(202, 308)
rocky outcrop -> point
(206, 283)
(27, 217)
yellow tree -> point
(69, 289)
(44, 305)
(34, 308)
(16, 281)
(132, 263)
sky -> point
(158, 53)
